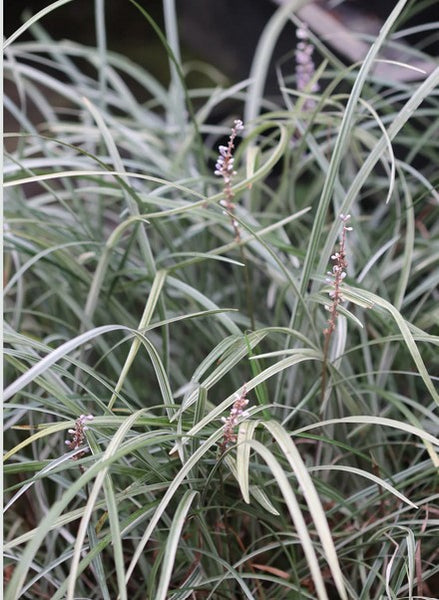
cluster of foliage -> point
(149, 302)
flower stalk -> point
(224, 168)
(335, 278)
(237, 412)
(305, 68)
(77, 436)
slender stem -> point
(248, 291)
(325, 367)
(224, 168)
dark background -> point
(221, 32)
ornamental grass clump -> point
(124, 298)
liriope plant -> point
(183, 416)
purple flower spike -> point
(224, 168)
(305, 67)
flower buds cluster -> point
(224, 168)
(78, 435)
(305, 67)
(237, 412)
(224, 164)
(336, 276)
